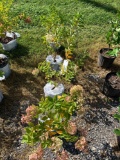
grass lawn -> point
(96, 16)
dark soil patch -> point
(6, 39)
(3, 61)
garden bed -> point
(96, 121)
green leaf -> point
(56, 116)
(46, 143)
(28, 130)
(118, 29)
(25, 137)
(55, 99)
(119, 109)
(24, 141)
(113, 52)
(117, 132)
(70, 110)
(57, 104)
(117, 116)
(118, 74)
(50, 99)
(68, 137)
(1, 73)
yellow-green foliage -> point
(6, 21)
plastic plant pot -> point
(111, 89)
(105, 61)
(12, 44)
(55, 63)
(4, 65)
(51, 90)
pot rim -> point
(102, 50)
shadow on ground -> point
(20, 86)
(106, 7)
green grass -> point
(96, 15)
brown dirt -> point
(22, 89)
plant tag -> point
(64, 66)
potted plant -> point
(4, 65)
(52, 115)
(50, 123)
(50, 25)
(107, 55)
(111, 87)
(61, 33)
(8, 38)
(52, 89)
(67, 70)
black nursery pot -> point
(118, 141)
(104, 60)
(108, 90)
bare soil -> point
(22, 89)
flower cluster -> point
(68, 99)
(37, 155)
(50, 38)
(57, 144)
(81, 144)
(76, 90)
(71, 128)
(62, 156)
(30, 113)
(35, 72)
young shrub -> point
(113, 38)
(52, 115)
